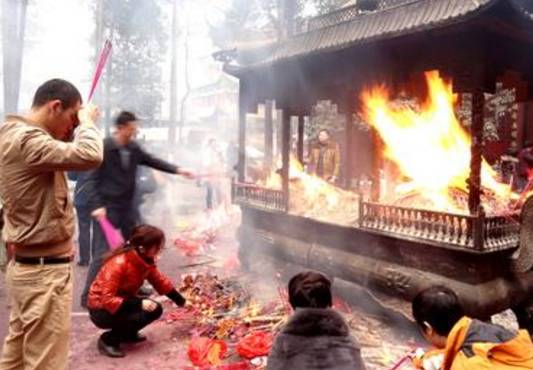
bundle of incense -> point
(102, 60)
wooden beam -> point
(243, 109)
(474, 181)
(269, 135)
(351, 109)
(285, 153)
(301, 128)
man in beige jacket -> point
(39, 221)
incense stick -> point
(102, 60)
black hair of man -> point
(439, 307)
(310, 290)
(124, 118)
(324, 130)
(57, 89)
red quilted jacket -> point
(121, 277)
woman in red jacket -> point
(113, 302)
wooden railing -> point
(257, 196)
(479, 233)
(501, 232)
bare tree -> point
(173, 74)
(13, 29)
(187, 79)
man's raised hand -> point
(89, 114)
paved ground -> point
(166, 345)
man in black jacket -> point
(316, 337)
(112, 186)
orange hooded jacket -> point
(475, 345)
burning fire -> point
(312, 196)
(430, 148)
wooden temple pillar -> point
(474, 80)
(476, 151)
(269, 135)
(285, 154)
(351, 109)
(243, 110)
(300, 146)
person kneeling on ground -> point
(316, 336)
(464, 343)
(113, 302)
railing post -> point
(360, 211)
(233, 191)
(479, 229)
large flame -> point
(429, 146)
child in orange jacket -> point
(463, 343)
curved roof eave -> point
(418, 16)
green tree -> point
(262, 20)
(134, 78)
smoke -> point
(56, 44)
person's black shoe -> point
(109, 350)
(145, 291)
(83, 264)
(136, 338)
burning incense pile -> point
(314, 197)
(223, 320)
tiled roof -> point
(410, 17)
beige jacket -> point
(332, 160)
(38, 212)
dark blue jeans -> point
(85, 224)
(123, 218)
(213, 196)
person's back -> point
(316, 336)
(476, 345)
(464, 343)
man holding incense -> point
(112, 186)
(39, 220)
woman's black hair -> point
(142, 236)
(310, 289)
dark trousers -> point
(85, 224)
(214, 195)
(123, 218)
(124, 323)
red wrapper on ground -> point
(204, 351)
(243, 365)
(255, 345)
(232, 263)
(187, 247)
